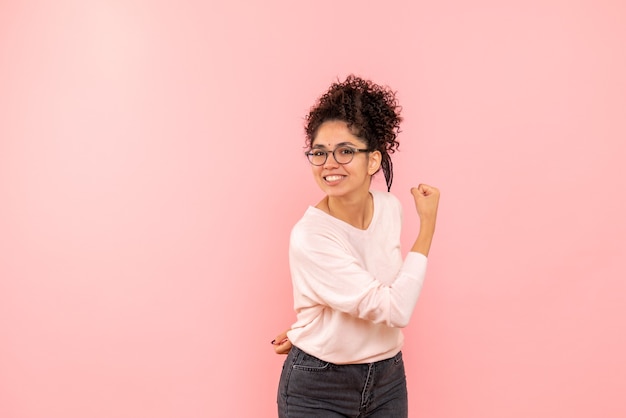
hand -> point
(426, 201)
(281, 343)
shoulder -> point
(313, 229)
(386, 200)
(311, 217)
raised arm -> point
(426, 202)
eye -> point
(317, 153)
(345, 151)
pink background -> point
(151, 170)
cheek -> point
(362, 170)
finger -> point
(420, 192)
(427, 190)
(283, 348)
(280, 338)
(416, 191)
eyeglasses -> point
(342, 154)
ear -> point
(373, 162)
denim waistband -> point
(396, 357)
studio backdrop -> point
(152, 166)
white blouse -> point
(352, 291)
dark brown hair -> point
(371, 111)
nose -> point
(331, 162)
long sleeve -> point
(353, 292)
(326, 273)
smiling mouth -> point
(333, 178)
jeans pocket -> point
(309, 363)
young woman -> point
(353, 292)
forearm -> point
(425, 237)
(426, 202)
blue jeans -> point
(310, 387)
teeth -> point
(333, 178)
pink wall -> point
(151, 169)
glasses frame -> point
(309, 154)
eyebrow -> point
(321, 146)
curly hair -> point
(371, 111)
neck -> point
(357, 211)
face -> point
(343, 180)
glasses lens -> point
(344, 155)
(316, 157)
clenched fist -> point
(426, 201)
